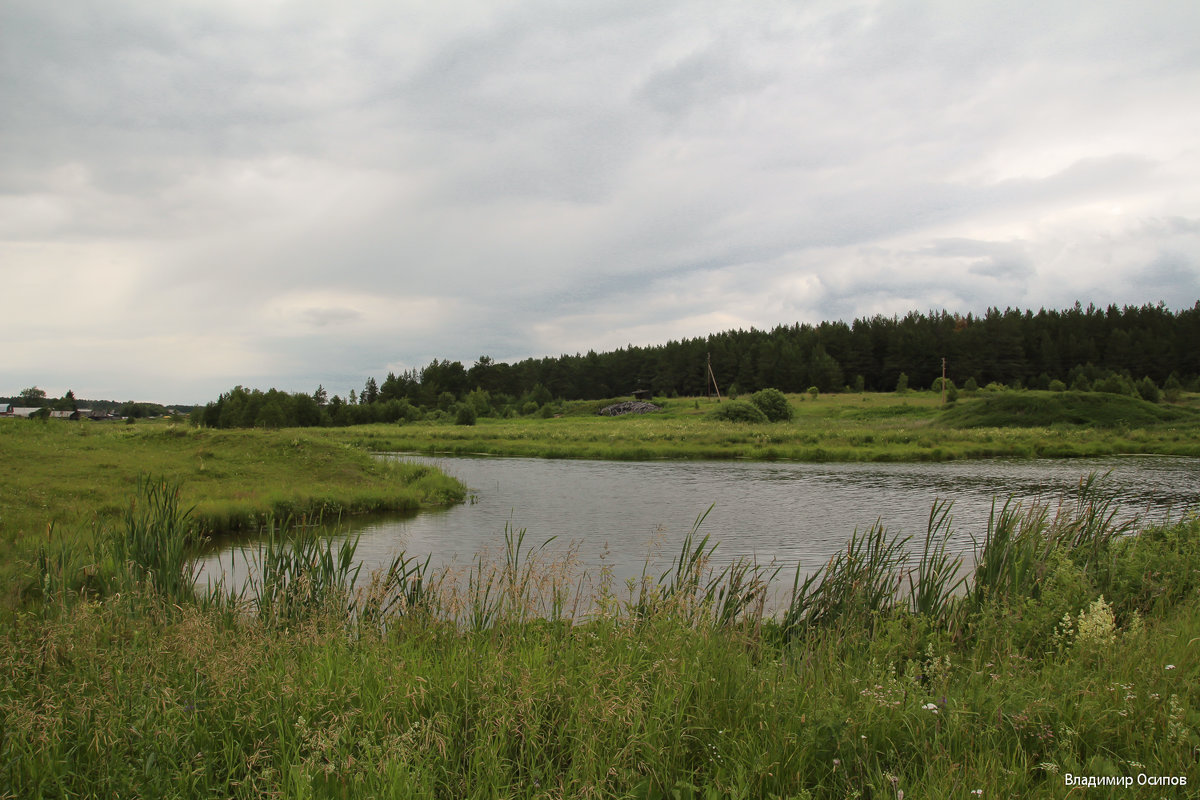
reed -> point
(300, 571)
(939, 574)
(853, 586)
(406, 694)
(153, 546)
(696, 592)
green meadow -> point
(914, 426)
(61, 479)
(1064, 648)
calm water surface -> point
(619, 514)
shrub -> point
(1114, 383)
(481, 401)
(970, 385)
(1057, 386)
(813, 392)
(1173, 389)
(1148, 390)
(465, 414)
(738, 411)
(902, 383)
(773, 404)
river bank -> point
(62, 479)
(873, 427)
(1070, 655)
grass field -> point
(1070, 649)
(843, 427)
(1071, 652)
(75, 475)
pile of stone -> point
(629, 407)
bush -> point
(1114, 383)
(970, 385)
(902, 383)
(738, 411)
(465, 414)
(773, 404)
(1148, 390)
(1057, 386)
(1173, 389)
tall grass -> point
(300, 571)
(1022, 543)
(939, 573)
(854, 585)
(695, 591)
(153, 547)
(692, 688)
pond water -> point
(622, 515)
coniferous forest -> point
(1118, 349)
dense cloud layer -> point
(194, 195)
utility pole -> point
(713, 378)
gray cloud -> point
(292, 194)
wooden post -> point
(713, 378)
(943, 381)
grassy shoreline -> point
(1072, 651)
(63, 479)
(844, 428)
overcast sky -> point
(195, 195)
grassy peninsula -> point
(62, 479)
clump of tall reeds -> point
(1021, 542)
(152, 548)
(299, 571)
(527, 582)
(695, 591)
(1014, 560)
(863, 580)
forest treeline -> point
(1110, 349)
